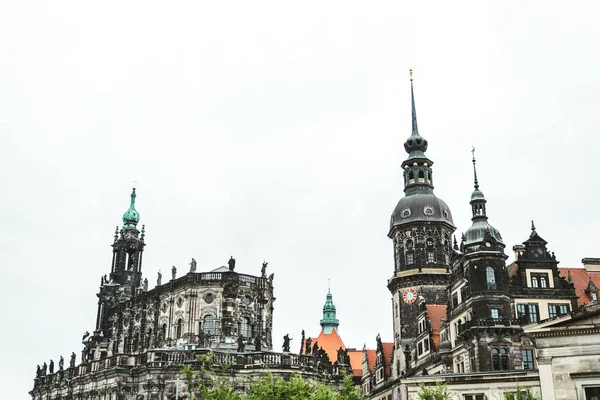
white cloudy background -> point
(275, 131)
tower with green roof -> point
(329, 321)
(128, 247)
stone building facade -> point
(463, 316)
(142, 336)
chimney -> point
(591, 265)
(519, 250)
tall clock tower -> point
(421, 228)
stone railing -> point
(175, 358)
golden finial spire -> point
(134, 185)
(410, 74)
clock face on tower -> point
(409, 296)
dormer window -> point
(539, 280)
(594, 296)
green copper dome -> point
(131, 216)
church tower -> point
(125, 279)
(480, 329)
(420, 228)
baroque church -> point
(461, 314)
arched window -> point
(136, 342)
(490, 278)
(208, 326)
(421, 176)
(245, 328)
(499, 359)
(179, 328)
(148, 338)
(164, 332)
(543, 282)
(411, 177)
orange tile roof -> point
(330, 342)
(581, 279)
(371, 357)
(356, 359)
(436, 313)
(388, 347)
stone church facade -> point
(143, 336)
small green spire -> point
(131, 216)
(329, 321)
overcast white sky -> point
(274, 131)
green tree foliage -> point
(438, 392)
(207, 386)
(521, 394)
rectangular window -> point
(474, 397)
(430, 257)
(410, 259)
(426, 343)
(552, 310)
(455, 300)
(527, 358)
(563, 309)
(495, 313)
(594, 296)
(522, 313)
(532, 310)
(420, 349)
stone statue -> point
(271, 279)
(193, 266)
(346, 357)
(263, 270)
(315, 349)
(38, 372)
(231, 263)
(85, 336)
(240, 343)
(44, 368)
(201, 338)
(145, 284)
(340, 355)
(257, 343)
(174, 272)
(286, 343)
(51, 367)
(61, 363)
(302, 343)
(159, 278)
(308, 343)
(72, 362)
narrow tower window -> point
(411, 177)
(421, 176)
(491, 278)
